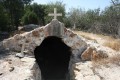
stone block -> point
(92, 54)
(55, 28)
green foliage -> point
(106, 21)
(39, 10)
(12, 12)
(30, 18)
(75, 16)
(89, 18)
(83, 19)
(42, 11)
(3, 19)
(26, 2)
(15, 10)
(67, 22)
(110, 18)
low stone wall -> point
(34, 38)
(29, 40)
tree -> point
(75, 15)
(91, 17)
(83, 19)
(30, 18)
(67, 22)
(15, 9)
(115, 2)
(111, 18)
(3, 19)
(39, 10)
(26, 2)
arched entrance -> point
(53, 57)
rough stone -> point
(99, 49)
(83, 71)
(22, 69)
(35, 37)
(1, 73)
(87, 54)
(108, 73)
(55, 28)
(20, 55)
(11, 69)
(92, 54)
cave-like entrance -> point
(53, 57)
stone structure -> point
(82, 50)
(35, 37)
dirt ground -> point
(12, 67)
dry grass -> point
(107, 41)
(85, 35)
(114, 44)
(112, 60)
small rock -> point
(10, 62)
(28, 79)
(87, 54)
(27, 59)
(20, 55)
(11, 69)
(7, 49)
(26, 52)
(1, 74)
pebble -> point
(11, 69)
(1, 74)
(20, 55)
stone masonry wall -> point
(34, 38)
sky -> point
(84, 4)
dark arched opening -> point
(53, 57)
